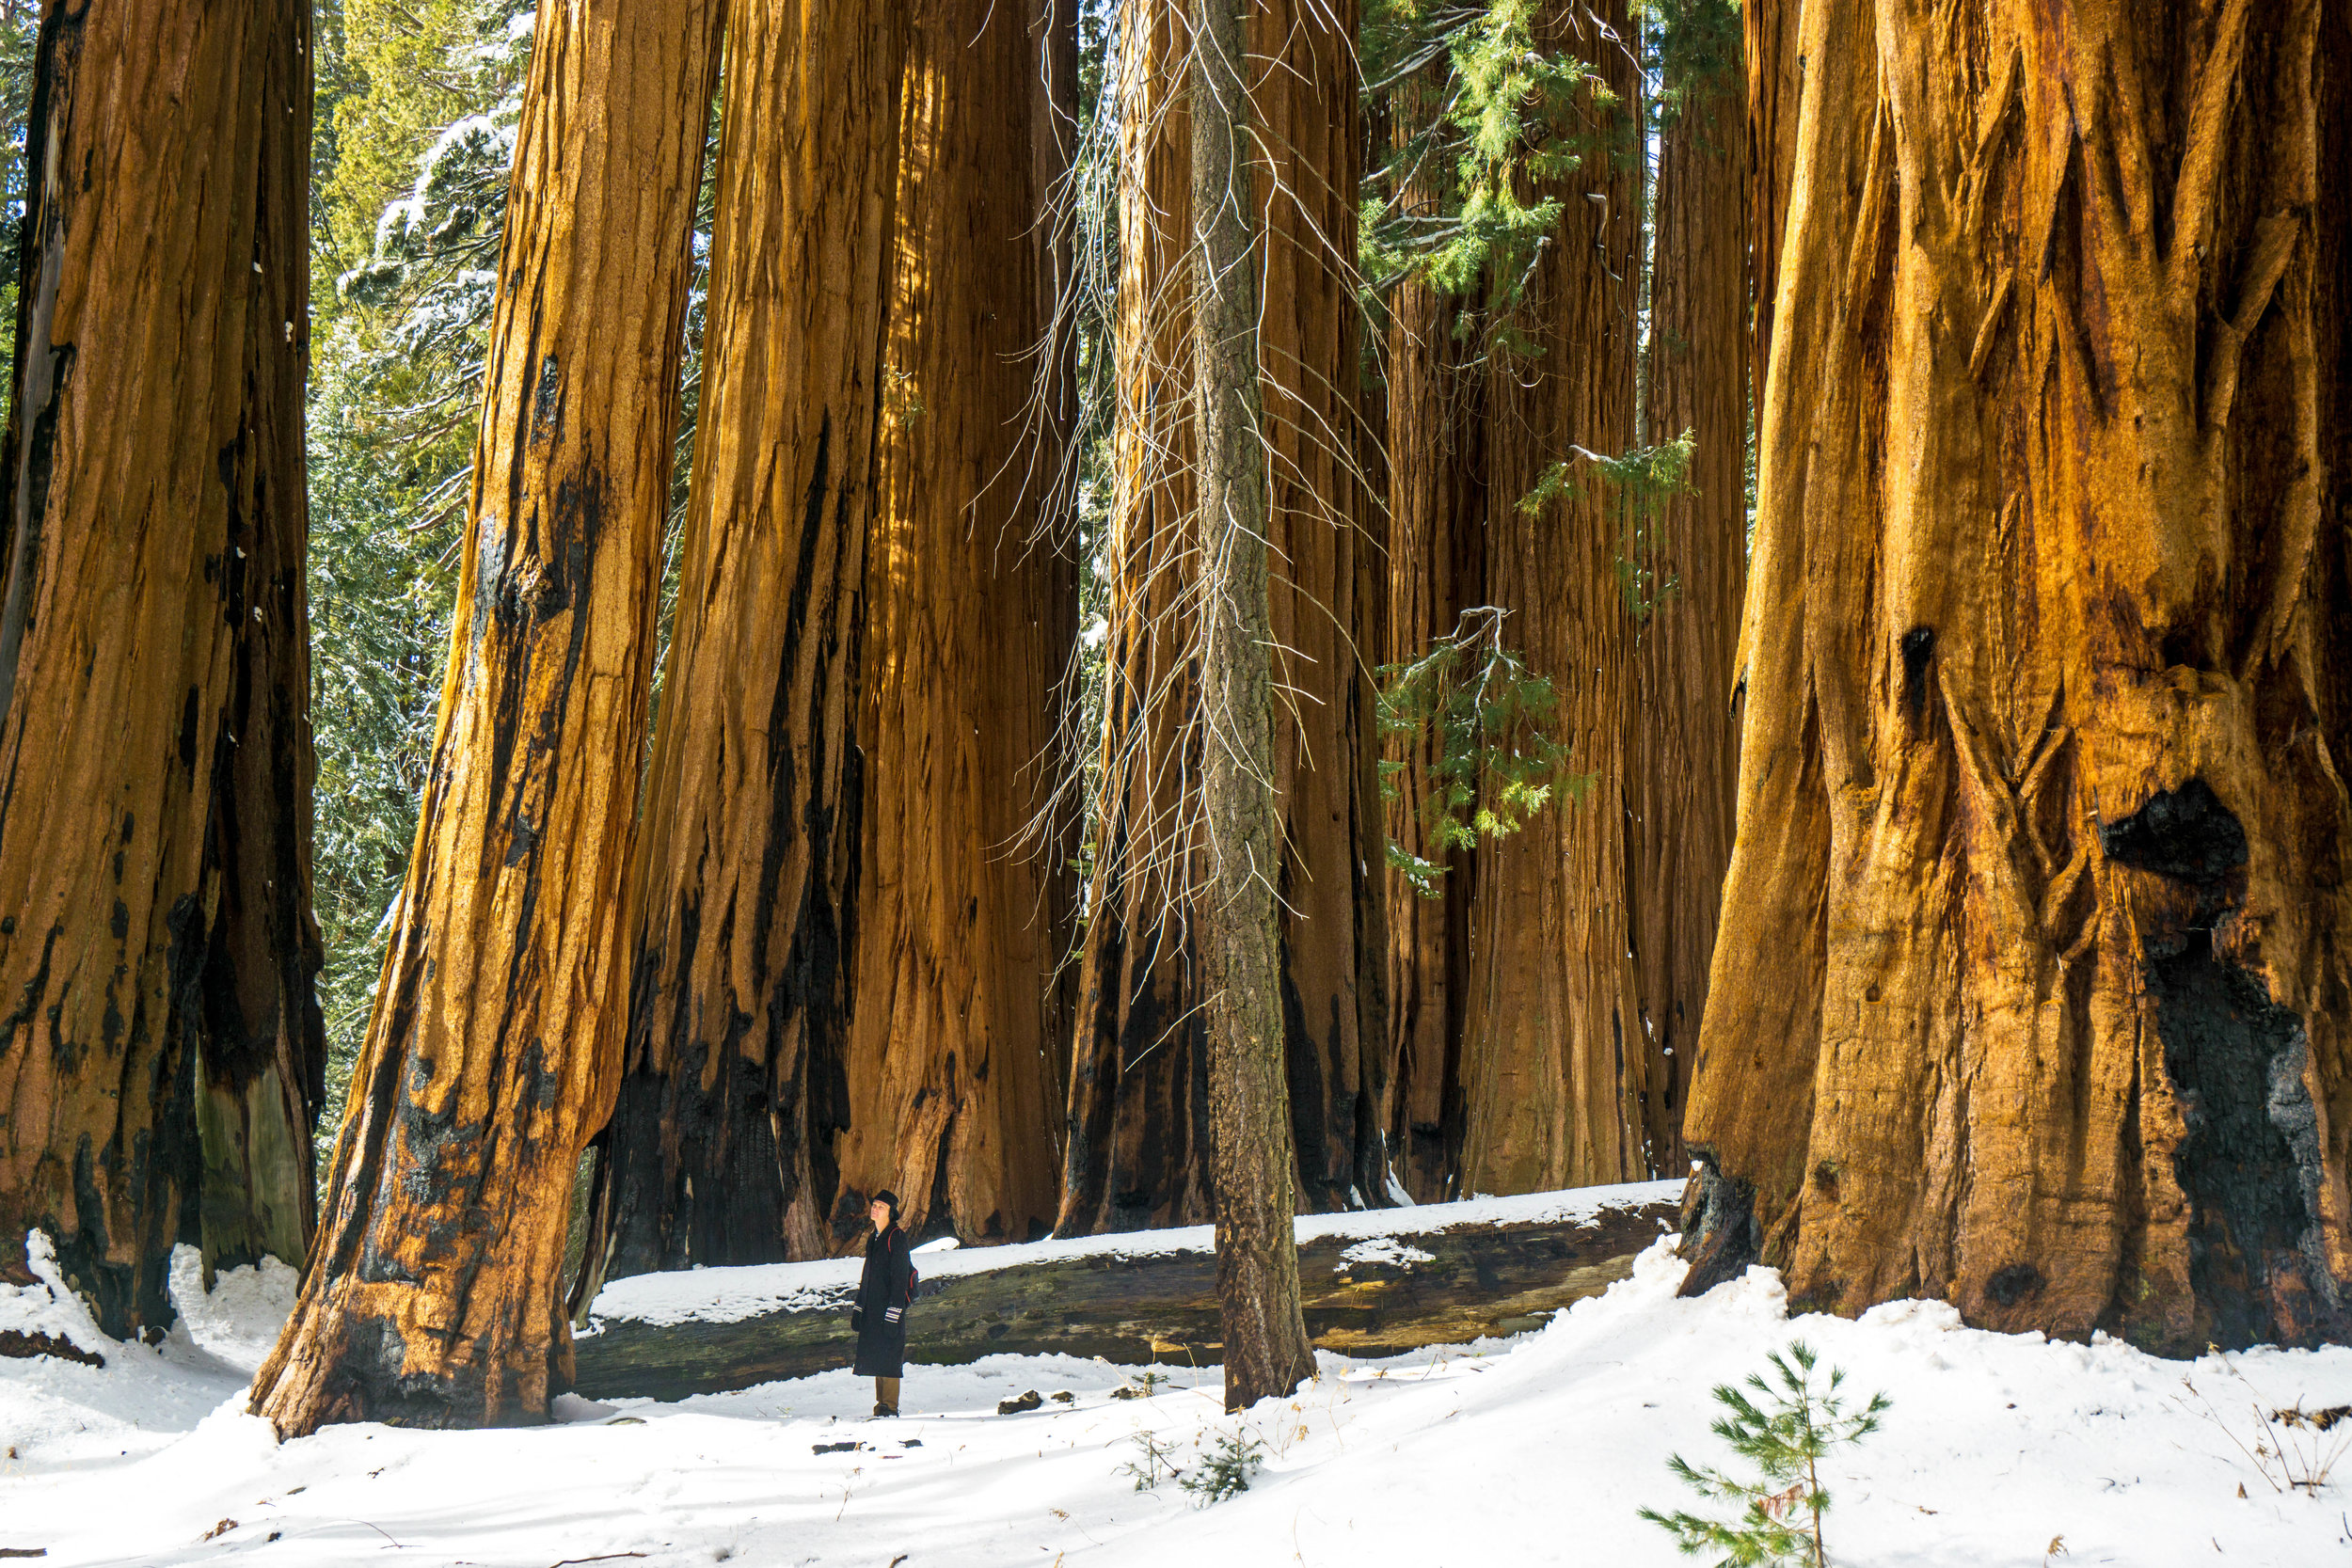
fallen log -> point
(1373, 1284)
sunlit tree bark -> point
(722, 1148)
(434, 1296)
(156, 948)
(955, 1088)
(2031, 989)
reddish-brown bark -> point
(159, 1056)
(951, 1065)
(722, 1146)
(2031, 991)
(434, 1297)
(1686, 736)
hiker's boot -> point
(882, 1412)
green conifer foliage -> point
(1792, 1421)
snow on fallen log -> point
(1376, 1282)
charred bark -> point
(152, 605)
(952, 1064)
(721, 1148)
(1138, 1103)
(2031, 991)
(434, 1296)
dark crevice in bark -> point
(1720, 1236)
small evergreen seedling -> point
(1154, 1462)
(1784, 1431)
(1225, 1470)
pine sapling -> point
(1154, 1462)
(1225, 1470)
(1784, 1431)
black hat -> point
(886, 1195)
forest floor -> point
(2000, 1452)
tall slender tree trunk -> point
(434, 1298)
(1267, 1350)
(152, 634)
(954, 1085)
(1138, 1103)
(722, 1148)
(1685, 734)
(1437, 566)
(2031, 991)
(1552, 1056)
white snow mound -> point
(1997, 1450)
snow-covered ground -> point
(1530, 1450)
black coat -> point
(882, 1306)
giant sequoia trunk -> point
(2031, 989)
(262, 1071)
(954, 1085)
(1686, 738)
(157, 948)
(1138, 1103)
(1436, 565)
(722, 1146)
(434, 1296)
(1529, 1071)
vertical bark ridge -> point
(1138, 1107)
(951, 1065)
(153, 477)
(1686, 739)
(1551, 1055)
(2040, 787)
(1436, 570)
(722, 1146)
(263, 1072)
(434, 1297)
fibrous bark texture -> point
(954, 1081)
(1267, 1351)
(2031, 991)
(1138, 1119)
(157, 950)
(1551, 1056)
(722, 1146)
(262, 1072)
(1529, 1071)
(1769, 49)
(434, 1297)
(1685, 724)
(1437, 567)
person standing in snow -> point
(880, 1316)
